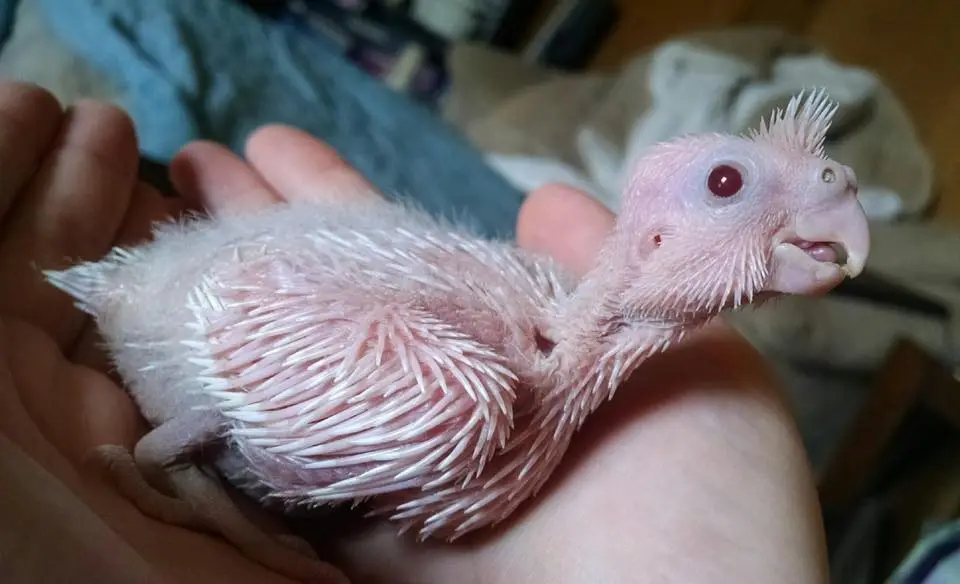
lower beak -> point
(825, 246)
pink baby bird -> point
(364, 351)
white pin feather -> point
(802, 126)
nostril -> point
(839, 173)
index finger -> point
(29, 119)
(69, 212)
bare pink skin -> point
(366, 352)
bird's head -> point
(715, 221)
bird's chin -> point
(806, 269)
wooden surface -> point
(913, 45)
(903, 447)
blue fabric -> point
(8, 10)
(214, 69)
(934, 560)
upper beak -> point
(842, 227)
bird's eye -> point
(725, 181)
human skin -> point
(695, 475)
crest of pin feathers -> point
(802, 126)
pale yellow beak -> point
(824, 246)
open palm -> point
(693, 474)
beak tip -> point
(854, 267)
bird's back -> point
(372, 255)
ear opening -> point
(657, 236)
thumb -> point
(565, 224)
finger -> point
(564, 223)
(75, 408)
(147, 208)
(15, 420)
(29, 119)
(71, 212)
(212, 178)
(300, 167)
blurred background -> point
(913, 46)
(467, 105)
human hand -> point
(69, 193)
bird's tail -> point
(92, 284)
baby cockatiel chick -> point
(345, 352)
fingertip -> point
(181, 166)
(110, 113)
(271, 138)
(29, 102)
(108, 131)
(298, 166)
(564, 223)
(30, 119)
(262, 138)
(211, 177)
(182, 170)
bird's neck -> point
(587, 376)
(601, 337)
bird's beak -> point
(821, 248)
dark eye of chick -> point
(725, 181)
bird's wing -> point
(336, 397)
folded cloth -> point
(589, 126)
(32, 52)
(217, 70)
